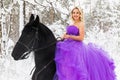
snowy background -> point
(102, 25)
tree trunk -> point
(21, 17)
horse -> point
(38, 38)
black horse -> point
(38, 38)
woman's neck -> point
(77, 21)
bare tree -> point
(5, 25)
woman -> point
(78, 61)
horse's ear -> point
(37, 20)
(31, 18)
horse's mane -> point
(43, 30)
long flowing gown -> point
(76, 60)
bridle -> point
(29, 50)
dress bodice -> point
(72, 30)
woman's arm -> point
(80, 37)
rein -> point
(36, 75)
(31, 49)
(45, 46)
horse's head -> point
(34, 35)
(25, 41)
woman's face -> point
(76, 15)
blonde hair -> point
(81, 14)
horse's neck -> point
(41, 59)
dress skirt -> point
(76, 60)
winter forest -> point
(102, 27)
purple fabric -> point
(78, 61)
(72, 30)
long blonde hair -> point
(81, 14)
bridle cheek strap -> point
(25, 55)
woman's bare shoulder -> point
(81, 25)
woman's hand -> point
(66, 36)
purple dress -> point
(77, 61)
